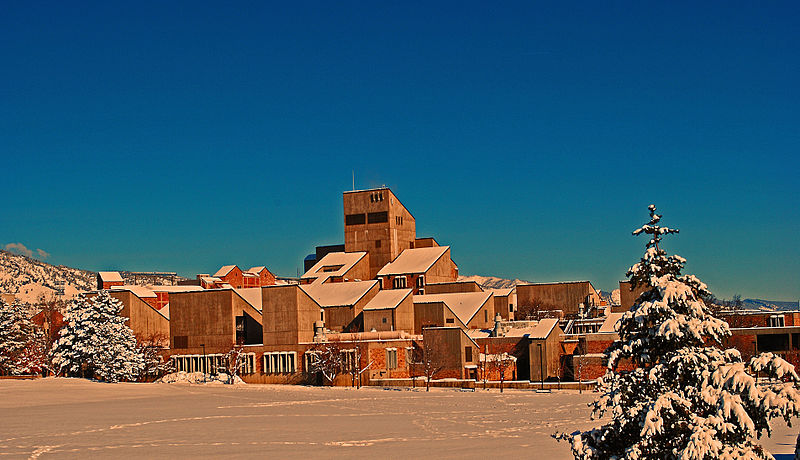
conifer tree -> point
(683, 396)
(96, 343)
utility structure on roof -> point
(376, 222)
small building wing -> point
(463, 305)
(417, 260)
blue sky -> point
(529, 137)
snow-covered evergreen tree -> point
(685, 397)
(21, 341)
(96, 343)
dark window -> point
(449, 320)
(384, 320)
(467, 354)
(181, 341)
(378, 217)
(377, 243)
(485, 315)
(355, 219)
(773, 342)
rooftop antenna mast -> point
(354, 180)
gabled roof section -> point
(333, 264)
(463, 304)
(418, 260)
(338, 294)
(256, 270)
(140, 291)
(540, 331)
(610, 322)
(224, 270)
(387, 299)
(110, 277)
(251, 296)
(501, 292)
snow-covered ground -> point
(68, 418)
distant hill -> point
(491, 282)
(31, 279)
(773, 305)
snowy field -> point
(69, 418)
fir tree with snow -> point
(96, 343)
(685, 397)
(21, 342)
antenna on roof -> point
(354, 180)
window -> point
(467, 354)
(181, 341)
(209, 364)
(349, 361)
(449, 320)
(776, 321)
(377, 243)
(391, 358)
(355, 219)
(248, 365)
(330, 268)
(383, 320)
(421, 281)
(511, 308)
(280, 362)
(378, 217)
(400, 282)
(485, 315)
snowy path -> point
(66, 418)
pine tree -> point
(684, 397)
(96, 343)
(20, 341)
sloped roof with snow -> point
(174, 288)
(501, 292)
(256, 270)
(224, 270)
(139, 291)
(110, 277)
(338, 294)
(463, 304)
(540, 331)
(339, 263)
(251, 296)
(608, 324)
(417, 260)
(387, 299)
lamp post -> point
(204, 361)
(541, 365)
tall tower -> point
(376, 222)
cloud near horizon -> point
(21, 249)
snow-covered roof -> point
(251, 296)
(174, 288)
(501, 292)
(210, 279)
(110, 277)
(139, 291)
(333, 264)
(165, 311)
(338, 294)
(224, 270)
(387, 299)
(256, 270)
(417, 260)
(555, 282)
(463, 304)
(611, 320)
(540, 331)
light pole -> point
(541, 365)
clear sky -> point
(529, 137)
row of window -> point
(213, 363)
(369, 218)
(375, 197)
(279, 362)
(401, 282)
